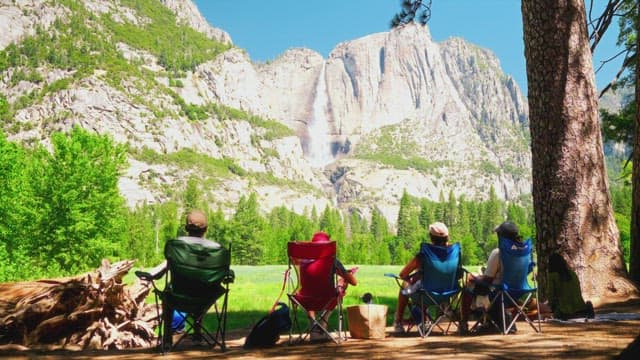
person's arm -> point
(347, 275)
(350, 278)
(409, 268)
(493, 266)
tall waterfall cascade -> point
(319, 141)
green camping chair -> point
(198, 276)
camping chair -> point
(439, 294)
(484, 298)
(198, 275)
(515, 291)
(314, 287)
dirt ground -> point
(591, 340)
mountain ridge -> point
(460, 122)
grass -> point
(256, 288)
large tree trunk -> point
(571, 199)
(634, 266)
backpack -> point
(266, 332)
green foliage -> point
(332, 222)
(489, 168)
(628, 26)
(619, 127)
(247, 226)
(393, 146)
(410, 9)
(83, 207)
(191, 198)
(62, 211)
(274, 129)
(4, 107)
(621, 197)
(409, 231)
(178, 47)
(17, 205)
(144, 239)
(189, 159)
(623, 221)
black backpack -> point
(266, 332)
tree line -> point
(61, 213)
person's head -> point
(196, 224)
(439, 233)
(320, 236)
(508, 230)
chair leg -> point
(295, 323)
(538, 311)
(342, 336)
(315, 323)
(520, 312)
(166, 332)
(423, 319)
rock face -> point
(383, 113)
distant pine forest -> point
(61, 213)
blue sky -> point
(266, 28)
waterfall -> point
(319, 141)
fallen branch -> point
(91, 311)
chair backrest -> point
(440, 266)
(517, 263)
(196, 266)
(314, 263)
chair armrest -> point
(154, 273)
(230, 277)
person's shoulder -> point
(200, 241)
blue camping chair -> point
(439, 295)
(515, 291)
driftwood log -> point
(91, 311)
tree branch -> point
(628, 60)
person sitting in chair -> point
(196, 227)
(492, 274)
(345, 278)
(439, 235)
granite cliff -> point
(383, 113)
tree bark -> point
(90, 311)
(634, 251)
(573, 212)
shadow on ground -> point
(590, 340)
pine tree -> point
(409, 232)
(426, 216)
(451, 212)
(492, 216)
(247, 230)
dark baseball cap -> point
(507, 229)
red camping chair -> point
(314, 287)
